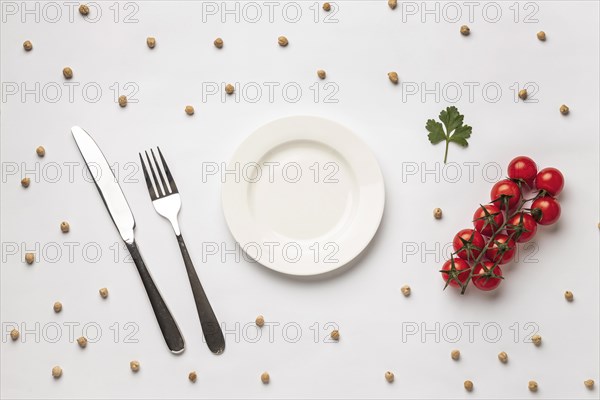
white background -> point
(367, 41)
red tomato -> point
(501, 248)
(551, 180)
(488, 219)
(523, 168)
(468, 244)
(521, 227)
(505, 191)
(545, 210)
(456, 275)
(486, 276)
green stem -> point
(446, 153)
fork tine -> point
(148, 181)
(159, 192)
(162, 178)
(168, 172)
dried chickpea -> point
(57, 307)
(229, 88)
(192, 376)
(468, 386)
(589, 384)
(64, 227)
(536, 339)
(14, 334)
(82, 342)
(218, 43)
(533, 386)
(265, 378)
(189, 110)
(335, 334)
(283, 41)
(27, 45)
(56, 372)
(503, 357)
(151, 42)
(465, 30)
(67, 72)
(392, 4)
(405, 290)
(523, 94)
(29, 258)
(389, 376)
(437, 213)
(321, 73)
(84, 9)
(260, 321)
(455, 354)
(40, 151)
(134, 365)
(393, 76)
(103, 292)
(25, 182)
(122, 100)
(569, 295)
(541, 35)
(564, 109)
(327, 7)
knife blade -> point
(121, 214)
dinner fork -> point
(167, 202)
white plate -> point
(303, 195)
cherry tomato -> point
(468, 243)
(456, 275)
(523, 168)
(503, 191)
(521, 227)
(488, 219)
(545, 210)
(486, 276)
(551, 180)
(501, 248)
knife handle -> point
(210, 325)
(167, 323)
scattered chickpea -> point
(122, 100)
(589, 384)
(260, 321)
(151, 41)
(189, 110)
(64, 227)
(321, 73)
(393, 4)
(533, 386)
(569, 295)
(218, 43)
(14, 334)
(523, 94)
(455, 354)
(134, 365)
(56, 372)
(265, 378)
(405, 290)
(393, 76)
(541, 35)
(564, 109)
(192, 376)
(389, 376)
(465, 30)
(29, 258)
(335, 334)
(283, 41)
(40, 151)
(103, 292)
(82, 342)
(67, 72)
(84, 9)
(25, 182)
(503, 357)
(536, 339)
(437, 213)
(27, 45)
(468, 386)
(327, 7)
(229, 88)
(57, 307)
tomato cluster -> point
(502, 223)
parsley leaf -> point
(455, 130)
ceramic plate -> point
(303, 195)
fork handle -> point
(210, 325)
(167, 323)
